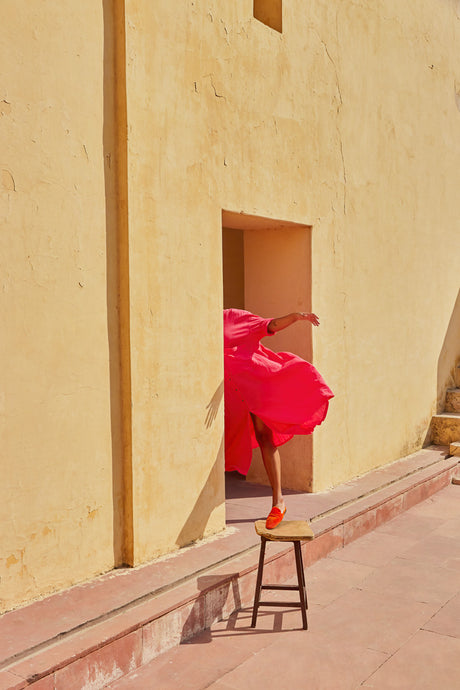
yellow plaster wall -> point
(176, 289)
(56, 506)
(347, 122)
(392, 234)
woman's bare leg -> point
(271, 459)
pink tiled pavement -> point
(426, 662)
(384, 613)
(97, 632)
(44, 621)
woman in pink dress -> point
(269, 397)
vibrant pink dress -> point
(285, 391)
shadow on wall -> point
(212, 495)
(448, 375)
(213, 406)
(115, 167)
(219, 597)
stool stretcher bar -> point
(300, 587)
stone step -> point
(454, 449)
(97, 632)
(452, 400)
(445, 428)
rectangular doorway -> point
(267, 270)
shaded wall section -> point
(233, 268)
(449, 358)
(115, 135)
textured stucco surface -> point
(56, 509)
(116, 165)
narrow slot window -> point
(269, 12)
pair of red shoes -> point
(274, 517)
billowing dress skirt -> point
(287, 393)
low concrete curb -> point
(135, 626)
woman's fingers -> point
(310, 317)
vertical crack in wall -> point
(344, 296)
(339, 106)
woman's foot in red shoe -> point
(275, 517)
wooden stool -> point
(288, 530)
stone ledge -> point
(454, 449)
(445, 428)
(134, 633)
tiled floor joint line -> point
(91, 624)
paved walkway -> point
(384, 613)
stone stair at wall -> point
(445, 427)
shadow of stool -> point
(288, 530)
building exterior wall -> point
(132, 132)
(56, 503)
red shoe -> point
(274, 518)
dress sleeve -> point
(242, 326)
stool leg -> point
(301, 581)
(258, 582)
(303, 576)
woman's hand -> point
(284, 321)
(307, 316)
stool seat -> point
(287, 530)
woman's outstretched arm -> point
(282, 322)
